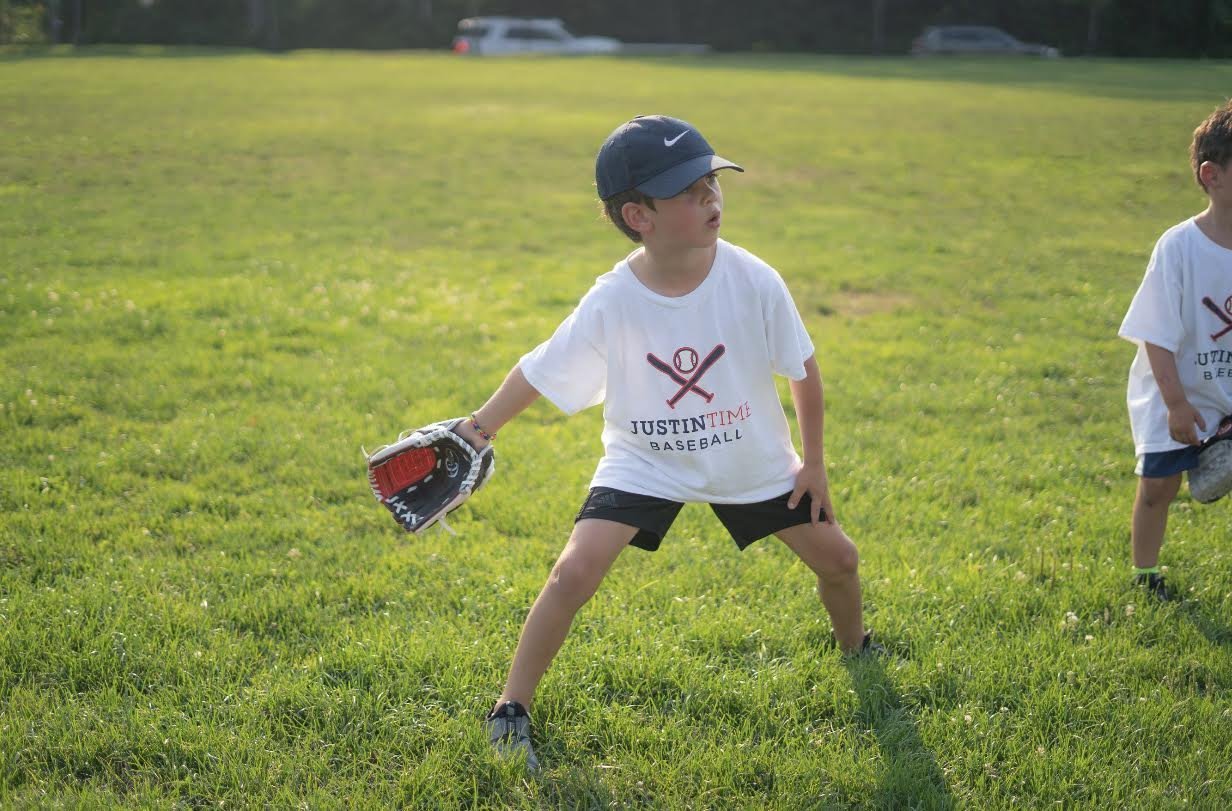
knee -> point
(842, 561)
(572, 580)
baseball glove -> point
(1212, 478)
(427, 474)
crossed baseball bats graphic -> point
(1217, 310)
(688, 384)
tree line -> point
(1170, 28)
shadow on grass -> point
(1156, 79)
(911, 777)
(1212, 626)
(581, 788)
(31, 53)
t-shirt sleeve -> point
(570, 368)
(786, 335)
(1155, 314)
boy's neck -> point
(672, 273)
(1216, 223)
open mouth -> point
(714, 221)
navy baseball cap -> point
(657, 155)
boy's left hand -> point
(812, 480)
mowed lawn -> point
(221, 273)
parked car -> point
(975, 39)
(518, 35)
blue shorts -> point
(1162, 464)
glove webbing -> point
(405, 469)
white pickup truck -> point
(487, 36)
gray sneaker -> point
(868, 649)
(509, 730)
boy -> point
(1180, 383)
(681, 341)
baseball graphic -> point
(685, 359)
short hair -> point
(1212, 141)
(612, 210)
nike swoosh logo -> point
(673, 141)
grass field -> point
(221, 273)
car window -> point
(995, 36)
(473, 30)
(526, 32)
(986, 36)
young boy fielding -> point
(1180, 383)
(681, 342)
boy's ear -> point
(1208, 172)
(637, 217)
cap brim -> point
(682, 176)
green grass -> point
(221, 273)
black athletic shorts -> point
(653, 516)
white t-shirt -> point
(691, 412)
(1184, 305)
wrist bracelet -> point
(479, 430)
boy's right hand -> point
(1181, 421)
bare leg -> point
(1151, 518)
(592, 548)
(832, 556)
